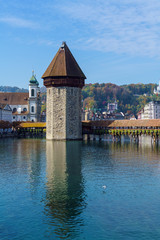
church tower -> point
(34, 99)
(64, 80)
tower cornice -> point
(64, 81)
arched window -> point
(24, 109)
(32, 109)
(14, 109)
(32, 92)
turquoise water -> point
(54, 190)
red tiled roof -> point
(14, 98)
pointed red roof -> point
(64, 65)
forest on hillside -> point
(131, 97)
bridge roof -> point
(102, 123)
(32, 125)
(123, 123)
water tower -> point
(64, 80)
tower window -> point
(32, 92)
(32, 109)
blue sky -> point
(113, 41)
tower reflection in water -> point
(65, 197)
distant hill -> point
(12, 89)
(17, 89)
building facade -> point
(112, 107)
(34, 100)
(150, 111)
(5, 113)
(64, 80)
(157, 91)
(25, 106)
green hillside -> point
(131, 97)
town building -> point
(112, 107)
(157, 91)
(5, 113)
(150, 111)
(64, 80)
(25, 106)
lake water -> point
(55, 190)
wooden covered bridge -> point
(117, 128)
(113, 127)
(100, 128)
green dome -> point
(33, 79)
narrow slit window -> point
(32, 92)
(32, 109)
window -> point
(58, 91)
(24, 109)
(14, 109)
(32, 109)
(32, 92)
(24, 117)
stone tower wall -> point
(63, 113)
(73, 117)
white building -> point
(5, 113)
(25, 106)
(150, 111)
(157, 91)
